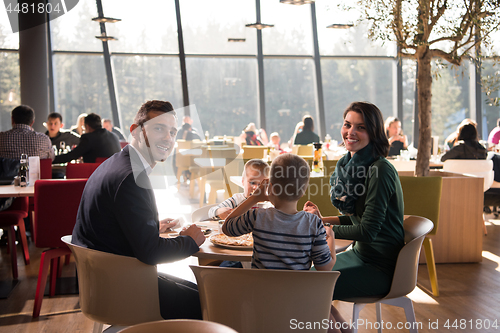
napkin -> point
(34, 170)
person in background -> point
(188, 134)
(57, 134)
(255, 171)
(79, 128)
(95, 142)
(451, 140)
(275, 141)
(365, 187)
(494, 136)
(22, 138)
(284, 238)
(307, 135)
(118, 212)
(298, 129)
(189, 121)
(397, 140)
(108, 124)
(252, 137)
(467, 147)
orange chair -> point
(80, 170)
(56, 205)
(14, 216)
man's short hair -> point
(107, 121)
(289, 177)
(258, 165)
(93, 121)
(23, 114)
(55, 115)
(155, 105)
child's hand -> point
(260, 193)
(222, 213)
(312, 208)
(330, 234)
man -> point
(57, 134)
(108, 124)
(118, 212)
(96, 142)
(22, 139)
(187, 126)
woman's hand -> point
(312, 208)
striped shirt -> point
(22, 139)
(232, 203)
(283, 241)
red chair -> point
(123, 144)
(56, 206)
(100, 159)
(14, 216)
(80, 170)
(45, 173)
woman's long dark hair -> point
(374, 123)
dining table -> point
(7, 191)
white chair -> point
(478, 168)
(179, 326)
(201, 214)
(115, 290)
(405, 275)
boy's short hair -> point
(289, 177)
(55, 115)
(257, 165)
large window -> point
(224, 91)
(143, 78)
(350, 80)
(81, 86)
(9, 73)
(491, 112)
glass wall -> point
(10, 94)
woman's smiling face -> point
(354, 132)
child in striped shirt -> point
(284, 238)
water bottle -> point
(23, 170)
(328, 138)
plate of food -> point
(244, 242)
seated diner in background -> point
(452, 139)
(494, 136)
(284, 238)
(467, 146)
(95, 142)
(307, 135)
(397, 140)
(371, 204)
(58, 135)
(118, 212)
(108, 124)
(253, 137)
(79, 128)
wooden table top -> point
(7, 191)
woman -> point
(468, 147)
(298, 129)
(452, 139)
(79, 128)
(307, 135)
(397, 140)
(365, 188)
(250, 135)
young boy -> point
(283, 237)
(255, 172)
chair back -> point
(100, 159)
(422, 197)
(404, 165)
(114, 289)
(479, 168)
(19, 204)
(179, 326)
(56, 206)
(303, 150)
(250, 152)
(123, 144)
(318, 192)
(201, 214)
(405, 274)
(45, 168)
(80, 170)
(264, 300)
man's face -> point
(158, 136)
(107, 125)
(54, 125)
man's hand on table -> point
(195, 233)
(168, 224)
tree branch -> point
(446, 56)
(441, 11)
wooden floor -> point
(468, 292)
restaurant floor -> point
(469, 296)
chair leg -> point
(356, 309)
(484, 225)
(407, 304)
(431, 265)
(24, 241)
(12, 249)
(212, 195)
(45, 260)
(378, 310)
(97, 327)
(201, 185)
